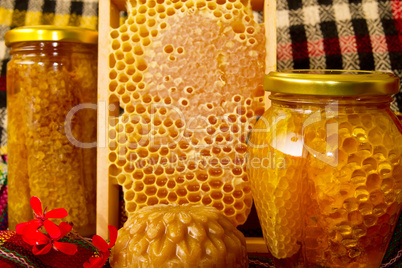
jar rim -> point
(51, 33)
(324, 82)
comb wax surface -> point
(187, 79)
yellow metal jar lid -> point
(331, 82)
(51, 33)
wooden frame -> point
(107, 203)
(108, 189)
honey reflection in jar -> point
(335, 199)
(46, 79)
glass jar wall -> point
(51, 99)
(325, 168)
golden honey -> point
(51, 93)
(325, 168)
(185, 87)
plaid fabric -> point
(15, 13)
(341, 34)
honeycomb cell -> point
(130, 21)
(373, 181)
(228, 200)
(160, 8)
(131, 206)
(140, 19)
(215, 172)
(218, 205)
(140, 198)
(238, 27)
(387, 185)
(376, 197)
(170, 11)
(135, 39)
(375, 136)
(251, 41)
(162, 193)
(133, 28)
(217, 13)
(181, 192)
(216, 184)
(235, 129)
(178, 5)
(138, 186)
(114, 34)
(129, 195)
(143, 32)
(350, 145)
(152, 201)
(250, 30)
(154, 33)
(143, 9)
(163, 16)
(184, 102)
(194, 197)
(124, 37)
(112, 74)
(208, 140)
(161, 181)
(141, 65)
(123, 28)
(172, 197)
(151, 4)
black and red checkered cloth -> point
(341, 34)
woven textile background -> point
(341, 34)
(15, 13)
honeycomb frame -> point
(108, 189)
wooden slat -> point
(107, 211)
(270, 35)
(256, 245)
(270, 43)
(120, 4)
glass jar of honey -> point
(51, 100)
(325, 166)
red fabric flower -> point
(103, 249)
(41, 216)
(35, 238)
(43, 242)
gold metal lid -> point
(51, 33)
(331, 82)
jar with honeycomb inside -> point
(51, 100)
(325, 166)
